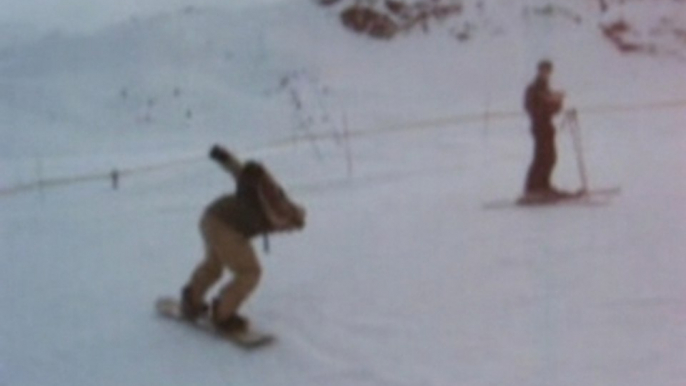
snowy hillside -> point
(175, 82)
(16, 34)
(402, 277)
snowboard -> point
(589, 198)
(170, 308)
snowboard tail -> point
(170, 308)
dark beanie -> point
(545, 64)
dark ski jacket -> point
(259, 205)
(541, 104)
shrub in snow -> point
(366, 20)
(650, 27)
(385, 19)
(616, 32)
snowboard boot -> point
(231, 325)
(189, 308)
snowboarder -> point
(259, 206)
(542, 104)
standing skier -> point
(259, 206)
(541, 105)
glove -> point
(219, 154)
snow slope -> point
(401, 277)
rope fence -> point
(115, 174)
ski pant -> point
(227, 248)
(544, 158)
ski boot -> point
(546, 196)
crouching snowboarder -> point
(258, 207)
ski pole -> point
(575, 132)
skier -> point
(259, 206)
(542, 104)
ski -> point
(587, 198)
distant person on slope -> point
(259, 206)
(541, 105)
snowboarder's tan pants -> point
(225, 248)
